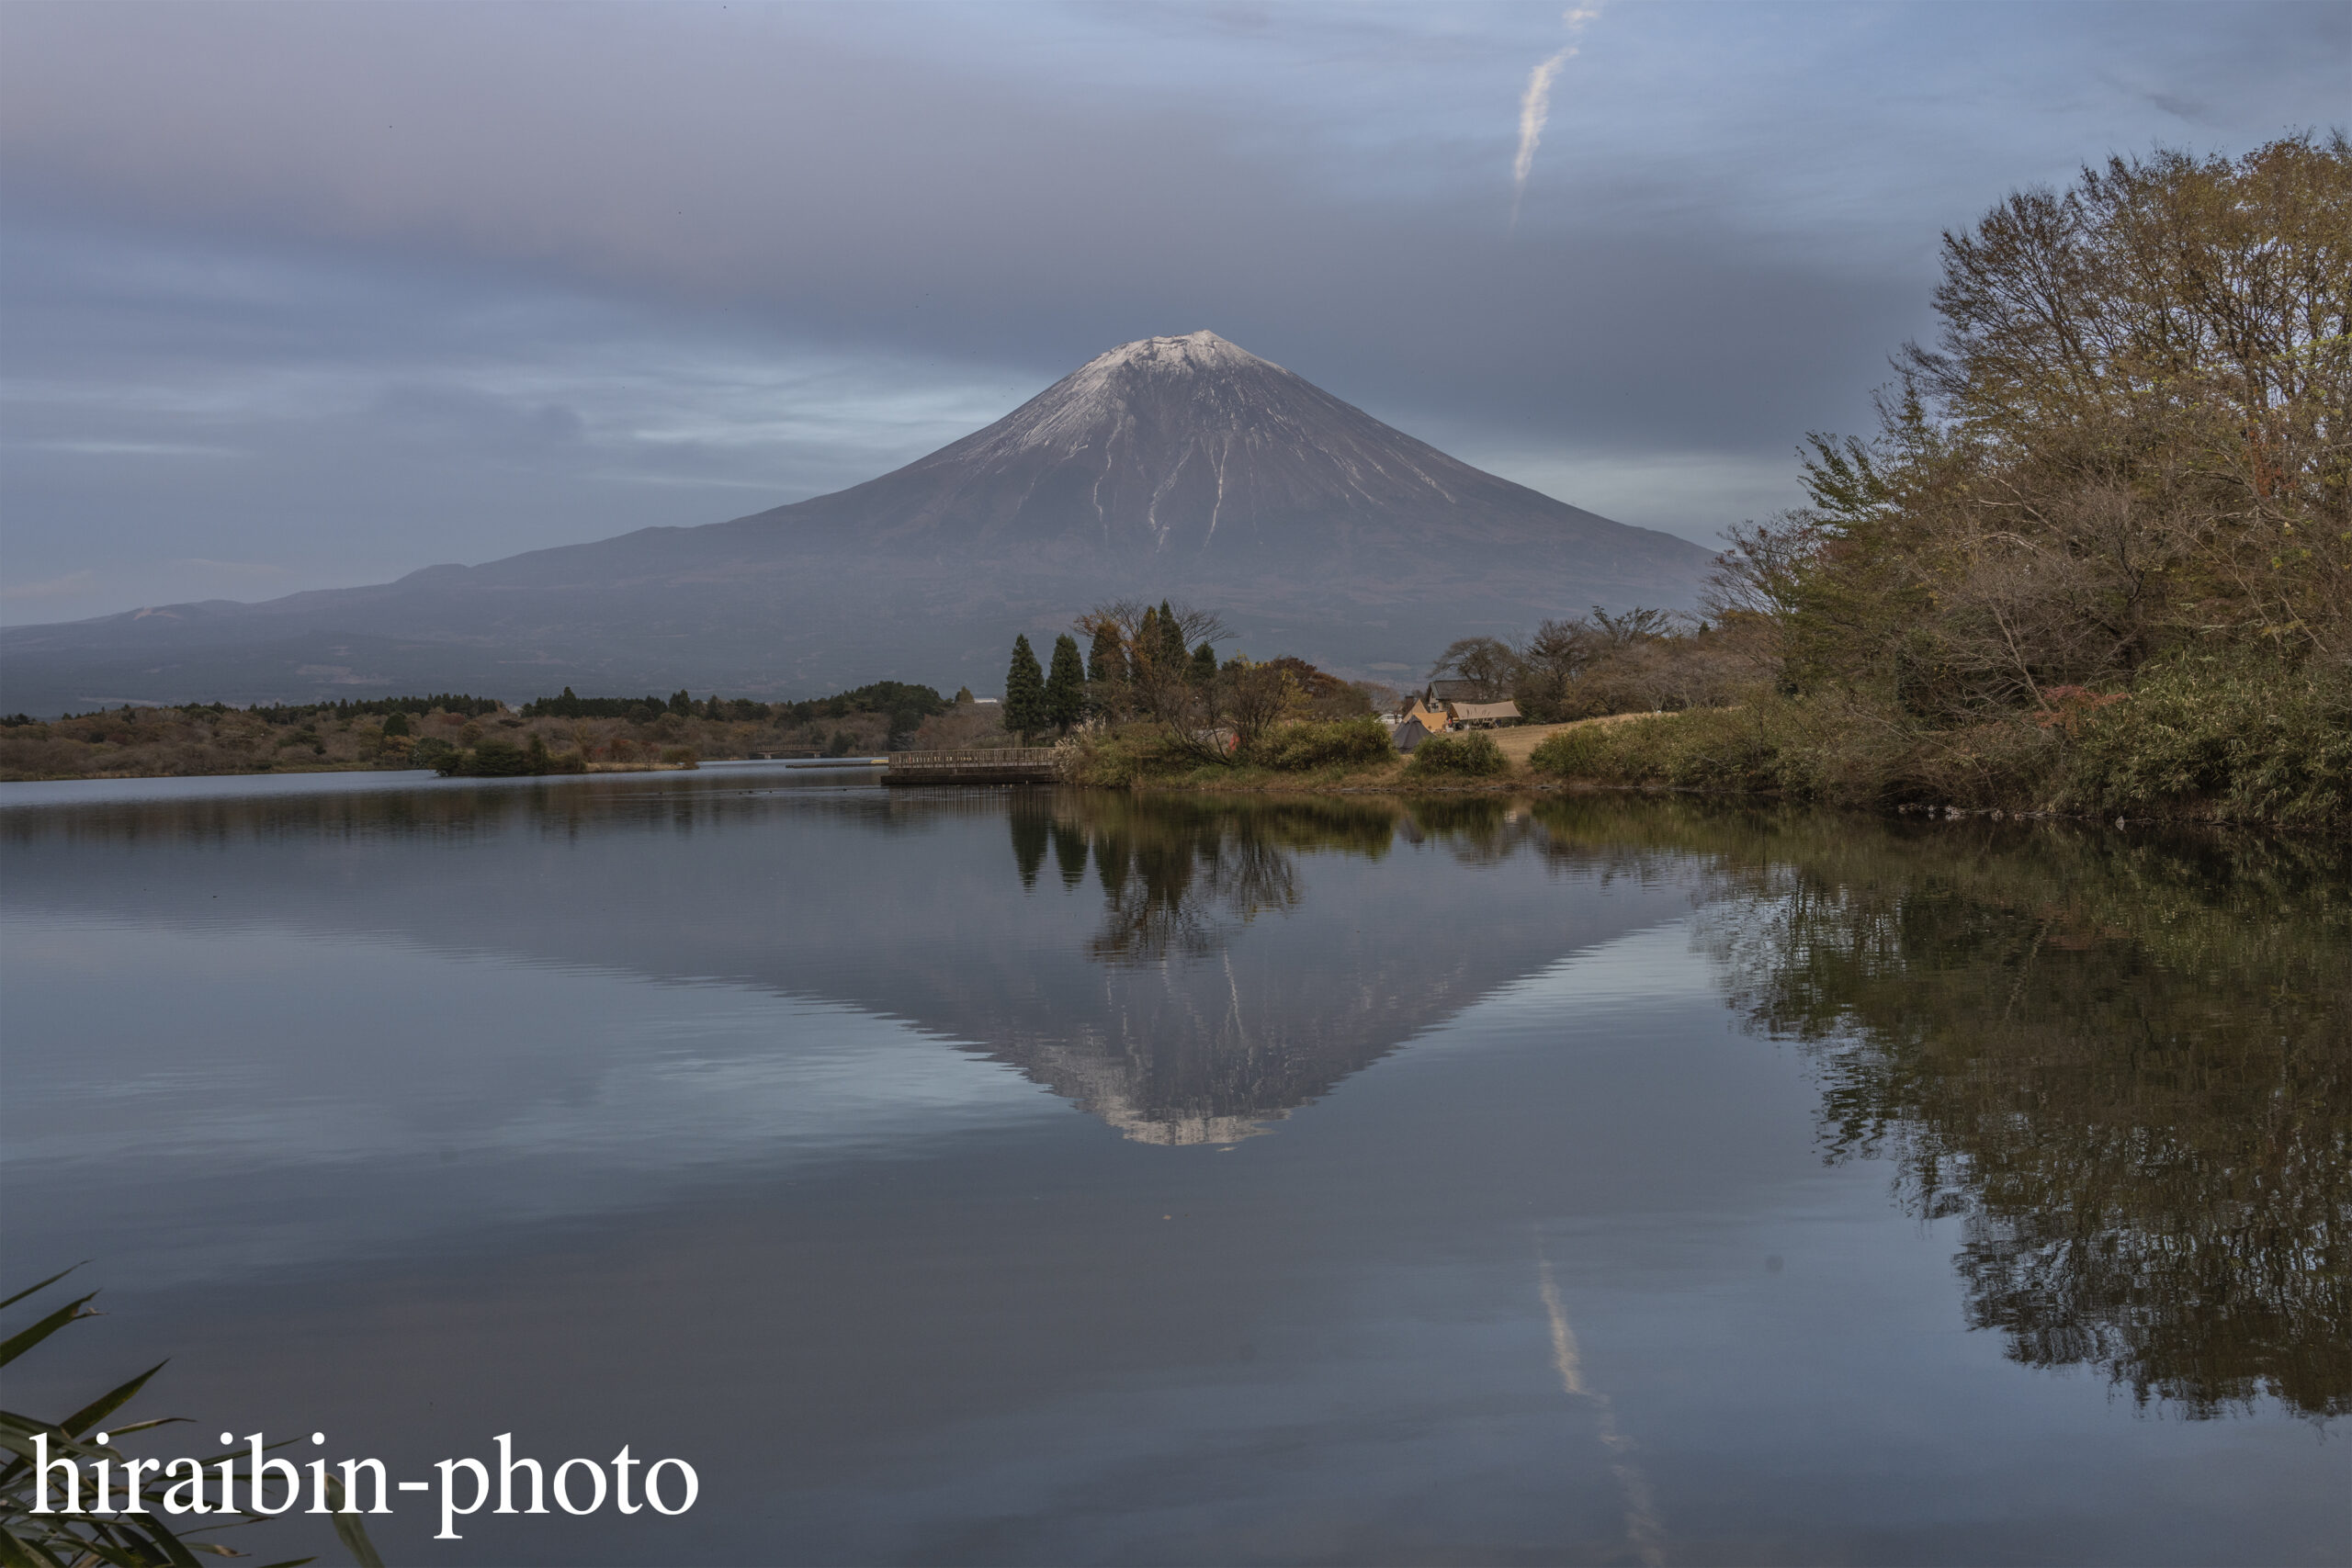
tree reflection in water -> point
(2125, 1066)
(1176, 874)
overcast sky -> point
(303, 295)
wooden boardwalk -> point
(981, 765)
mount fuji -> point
(1170, 466)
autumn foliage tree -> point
(2098, 552)
(2128, 443)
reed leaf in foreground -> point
(28, 1539)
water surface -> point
(1023, 1177)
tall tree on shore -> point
(1107, 660)
(1024, 691)
(1147, 645)
(1172, 651)
(1109, 682)
(2126, 448)
(1066, 685)
(1144, 657)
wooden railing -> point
(1011, 756)
(973, 764)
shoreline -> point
(1387, 781)
(1523, 787)
(358, 768)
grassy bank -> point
(2196, 740)
(1347, 758)
(2192, 743)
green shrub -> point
(1723, 748)
(2243, 737)
(1637, 752)
(1770, 748)
(2234, 737)
(1583, 752)
(1472, 754)
(1123, 758)
(1101, 760)
(1296, 747)
(491, 759)
(501, 760)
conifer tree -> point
(1203, 665)
(1066, 685)
(1032, 832)
(1172, 638)
(1024, 691)
(1069, 854)
(1106, 660)
(1147, 645)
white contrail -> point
(1644, 1532)
(1535, 105)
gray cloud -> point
(456, 281)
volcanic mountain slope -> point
(1171, 465)
(1188, 454)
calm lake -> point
(1022, 1176)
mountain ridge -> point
(1180, 464)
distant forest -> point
(906, 706)
(461, 733)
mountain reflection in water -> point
(2127, 1067)
(1190, 1048)
(2121, 1064)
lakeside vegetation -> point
(2096, 561)
(35, 1528)
(2098, 556)
(474, 736)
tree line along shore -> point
(465, 735)
(2095, 560)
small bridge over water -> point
(978, 765)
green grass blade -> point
(105, 1551)
(30, 1290)
(106, 1404)
(15, 1552)
(165, 1546)
(348, 1529)
(23, 1340)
